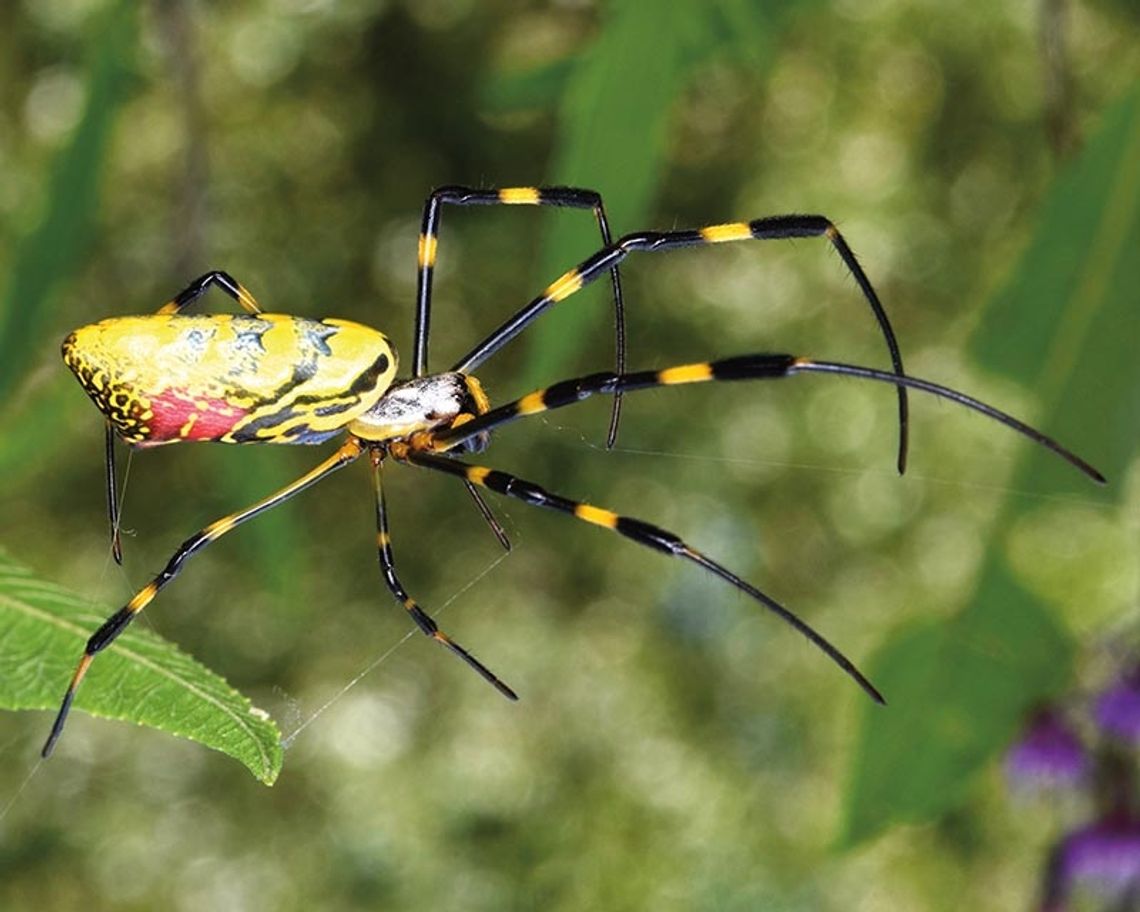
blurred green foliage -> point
(54, 251)
(674, 747)
(965, 684)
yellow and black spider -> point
(256, 377)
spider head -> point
(423, 404)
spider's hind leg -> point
(202, 284)
(113, 496)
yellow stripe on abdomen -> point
(477, 475)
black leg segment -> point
(202, 284)
(639, 531)
(422, 619)
(561, 197)
(780, 226)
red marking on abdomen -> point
(172, 410)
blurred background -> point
(675, 747)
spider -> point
(256, 377)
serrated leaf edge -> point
(128, 653)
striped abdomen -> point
(233, 378)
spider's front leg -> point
(761, 229)
(558, 197)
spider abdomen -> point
(232, 378)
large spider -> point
(272, 378)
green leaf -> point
(614, 114)
(613, 136)
(52, 252)
(747, 29)
(1067, 324)
(614, 119)
(1079, 284)
(141, 678)
(955, 692)
(507, 92)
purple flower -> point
(1049, 754)
(1103, 858)
(1117, 710)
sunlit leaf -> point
(1066, 324)
(140, 678)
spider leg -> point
(423, 620)
(562, 197)
(779, 226)
(177, 304)
(744, 367)
(113, 495)
(121, 619)
(488, 517)
(637, 530)
(202, 284)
